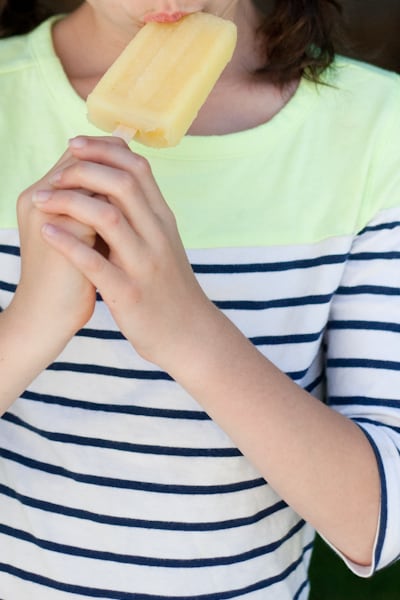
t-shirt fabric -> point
(114, 482)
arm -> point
(363, 364)
(318, 460)
(51, 303)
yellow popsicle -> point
(155, 88)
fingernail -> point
(49, 229)
(77, 142)
(40, 196)
(55, 177)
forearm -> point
(52, 300)
(27, 346)
(318, 461)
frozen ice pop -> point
(155, 88)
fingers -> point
(108, 168)
(93, 212)
(134, 171)
(113, 192)
(115, 153)
(118, 186)
(106, 277)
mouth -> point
(164, 17)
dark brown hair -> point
(297, 34)
(19, 16)
(298, 37)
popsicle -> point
(155, 88)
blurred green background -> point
(332, 580)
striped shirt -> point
(114, 482)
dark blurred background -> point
(372, 28)
(370, 32)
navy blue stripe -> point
(375, 256)
(276, 303)
(369, 289)
(257, 341)
(142, 523)
(313, 384)
(8, 249)
(372, 325)
(274, 340)
(131, 373)
(380, 227)
(364, 363)
(123, 446)
(364, 401)
(301, 589)
(380, 424)
(119, 595)
(150, 561)
(163, 413)
(7, 287)
(242, 304)
(296, 375)
(127, 484)
(109, 371)
(384, 504)
(302, 263)
(101, 334)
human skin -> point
(317, 460)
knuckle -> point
(26, 195)
(141, 165)
(25, 208)
(115, 139)
(22, 202)
(78, 169)
(91, 261)
(126, 184)
(110, 215)
(170, 219)
(74, 173)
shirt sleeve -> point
(363, 364)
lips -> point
(163, 17)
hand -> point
(145, 279)
(51, 293)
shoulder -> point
(359, 71)
(23, 63)
(17, 75)
(365, 87)
(15, 54)
(23, 52)
(370, 97)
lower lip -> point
(164, 17)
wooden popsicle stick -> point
(125, 133)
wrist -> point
(205, 346)
(40, 332)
